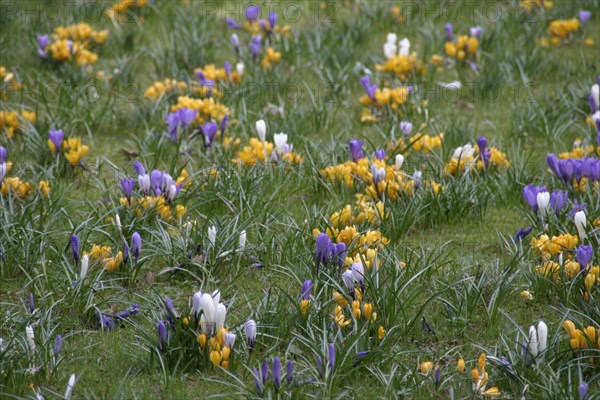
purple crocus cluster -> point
(530, 194)
(255, 45)
(574, 168)
(356, 150)
(179, 119)
(330, 364)
(262, 375)
(327, 251)
(109, 322)
(160, 182)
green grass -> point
(463, 274)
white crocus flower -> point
(404, 47)
(580, 223)
(596, 94)
(242, 240)
(239, 67)
(3, 169)
(220, 314)
(533, 341)
(399, 161)
(542, 335)
(348, 278)
(280, 140)
(212, 235)
(30, 337)
(208, 309)
(390, 50)
(85, 261)
(70, 386)
(543, 200)
(261, 129)
(392, 38)
(118, 222)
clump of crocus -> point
(77, 42)
(536, 343)
(305, 297)
(463, 48)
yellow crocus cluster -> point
(271, 57)
(561, 28)
(461, 47)
(213, 73)
(8, 83)
(577, 152)
(368, 211)
(548, 247)
(588, 337)
(9, 121)
(255, 28)
(258, 152)
(397, 14)
(427, 143)
(74, 151)
(158, 89)
(356, 307)
(208, 109)
(118, 11)
(218, 352)
(404, 67)
(15, 186)
(387, 97)
(76, 42)
(156, 203)
(480, 378)
(102, 254)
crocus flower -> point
(55, 140)
(252, 12)
(250, 329)
(476, 31)
(70, 387)
(280, 140)
(75, 248)
(582, 389)
(290, 371)
(235, 40)
(406, 127)
(230, 339)
(209, 130)
(449, 33)
(255, 45)
(399, 161)
(331, 351)
(264, 373)
(171, 313)
(57, 345)
(257, 380)
(530, 194)
(276, 369)
(404, 47)
(370, 88)
(125, 253)
(220, 313)
(232, 24)
(319, 365)
(438, 375)
(30, 336)
(162, 332)
(532, 344)
(128, 186)
(43, 41)
(212, 234)
(261, 129)
(196, 303)
(584, 255)
(558, 199)
(348, 279)
(339, 254)
(380, 154)
(143, 178)
(584, 16)
(136, 245)
(272, 19)
(3, 154)
(3, 171)
(322, 251)
(121, 315)
(306, 289)
(580, 222)
(356, 150)
(239, 67)
(242, 240)
(522, 233)
(543, 200)
(31, 303)
(85, 260)
(156, 178)
(179, 119)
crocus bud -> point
(118, 222)
(261, 129)
(358, 273)
(399, 161)
(209, 130)
(85, 260)
(542, 336)
(3, 171)
(220, 313)
(306, 289)
(290, 371)
(257, 380)
(70, 387)
(252, 12)
(595, 94)
(580, 222)
(280, 140)
(235, 40)
(128, 186)
(380, 154)
(31, 303)
(197, 303)
(390, 50)
(584, 255)
(584, 16)
(57, 345)
(250, 329)
(125, 253)
(230, 339)
(348, 279)
(212, 234)
(392, 38)
(533, 341)
(75, 248)
(208, 307)
(276, 372)
(356, 150)
(136, 245)
(449, 33)
(239, 67)
(264, 373)
(30, 335)
(582, 389)
(162, 332)
(242, 240)
(404, 47)
(543, 200)
(331, 351)
(3, 155)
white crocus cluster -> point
(537, 340)
(212, 311)
(280, 140)
(391, 49)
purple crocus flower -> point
(370, 88)
(31, 303)
(257, 380)
(252, 12)
(171, 313)
(106, 322)
(156, 181)
(557, 200)
(584, 16)
(75, 248)
(290, 371)
(319, 365)
(406, 127)
(43, 41)
(179, 119)
(57, 346)
(438, 375)
(139, 168)
(276, 369)
(56, 137)
(530, 193)
(3, 155)
(209, 130)
(525, 351)
(584, 255)
(380, 154)
(262, 23)
(449, 32)
(227, 67)
(361, 354)
(272, 19)
(135, 308)
(482, 143)
(162, 333)
(306, 289)
(583, 389)
(476, 31)
(593, 105)
(232, 24)
(264, 373)
(235, 40)
(323, 250)
(255, 45)
(552, 162)
(356, 150)
(128, 185)
(223, 125)
(339, 253)
(125, 253)
(331, 351)
(136, 245)
(522, 233)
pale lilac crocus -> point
(235, 40)
(57, 346)
(143, 178)
(250, 330)
(356, 150)
(406, 127)
(56, 136)
(476, 31)
(43, 41)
